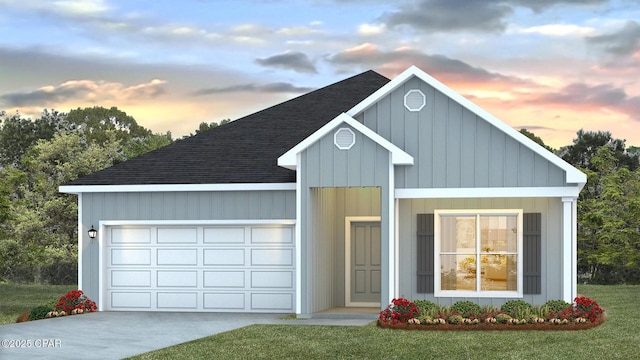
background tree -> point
(609, 222)
(17, 134)
(536, 139)
(586, 145)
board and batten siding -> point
(550, 210)
(453, 147)
(364, 164)
(159, 206)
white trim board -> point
(347, 259)
(77, 189)
(492, 192)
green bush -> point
(557, 305)
(466, 308)
(503, 318)
(517, 308)
(454, 319)
(426, 307)
(39, 312)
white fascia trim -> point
(77, 189)
(572, 175)
(398, 156)
(493, 192)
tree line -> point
(38, 225)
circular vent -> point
(344, 138)
(414, 100)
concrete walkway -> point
(115, 335)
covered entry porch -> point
(342, 261)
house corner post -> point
(569, 248)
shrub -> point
(426, 307)
(399, 311)
(39, 312)
(557, 305)
(75, 302)
(517, 308)
(455, 319)
(503, 318)
(466, 308)
(587, 308)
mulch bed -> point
(494, 327)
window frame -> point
(478, 293)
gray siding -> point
(551, 249)
(452, 147)
(365, 164)
(229, 205)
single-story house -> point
(348, 196)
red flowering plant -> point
(75, 302)
(586, 308)
(399, 311)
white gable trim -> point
(573, 175)
(78, 189)
(398, 156)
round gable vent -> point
(344, 138)
(414, 100)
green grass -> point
(617, 338)
(15, 299)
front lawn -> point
(15, 299)
(617, 338)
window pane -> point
(458, 272)
(458, 234)
(499, 234)
(499, 272)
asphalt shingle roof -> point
(245, 150)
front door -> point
(365, 264)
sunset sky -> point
(554, 67)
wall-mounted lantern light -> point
(93, 233)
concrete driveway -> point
(115, 335)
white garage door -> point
(241, 268)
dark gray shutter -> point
(425, 253)
(532, 253)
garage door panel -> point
(130, 256)
(235, 268)
(168, 278)
(224, 235)
(177, 257)
(131, 278)
(131, 236)
(271, 301)
(276, 257)
(135, 300)
(222, 257)
(177, 300)
(272, 279)
(177, 235)
(271, 235)
(224, 279)
(224, 301)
